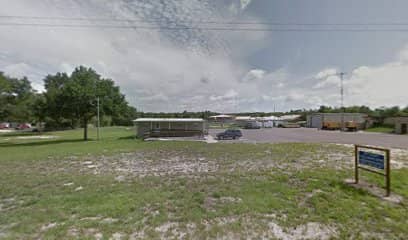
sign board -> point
(376, 162)
(371, 159)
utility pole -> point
(99, 123)
(341, 74)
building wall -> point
(142, 128)
(399, 125)
(241, 123)
(391, 120)
(316, 120)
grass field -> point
(60, 187)
(382, 129)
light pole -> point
(342, 109)
(98, 119)
(341, 74)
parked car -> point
(4, 125)
(229, 134)
(23, 126)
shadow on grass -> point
(348, 188)
(40, 143)
(130, 137)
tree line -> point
(377, 114)
(69, 101)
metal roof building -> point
(170, 127)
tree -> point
(79, 95)
(16, 99)
(324, 109)
(53, 107)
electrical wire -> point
(175, 28)
(175, 25)
(162, 20)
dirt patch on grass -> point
(5, 229)
(143, 165)
(399, 158)
(211, 203)
(7, 204)
(186, 162)
(36, 137)
(239, 227)
(48, 226)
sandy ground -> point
(6, 131)
(179, 163)
(37, 137)
(199, 165)
(310, 135)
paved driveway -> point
(279, 135)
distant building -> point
(291, 117)
(401, 125)
(262, 122)
(270, 122)
(318, 120)
(222, 117)
(170, 127)
(243, 121)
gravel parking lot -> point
(279, 135)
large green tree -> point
(53, 106)
(17, 99)
(77, 96)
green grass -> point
(68, 143)
(33, 173)
(382, 129)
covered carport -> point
(170, 127)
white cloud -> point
(21, 70)
(294, 96)
(403, 54)
(230, 94)
(384, 85)
(245, 3)
(325, 73)
(178, 70)
(330, 81)
(168, 66)
(253, 75)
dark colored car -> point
(229, 134)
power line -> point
(152, 27)
(163, 20)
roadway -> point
(310, 135)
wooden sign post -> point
(373, 162)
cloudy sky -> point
(174, 55)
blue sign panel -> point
(371, 159)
